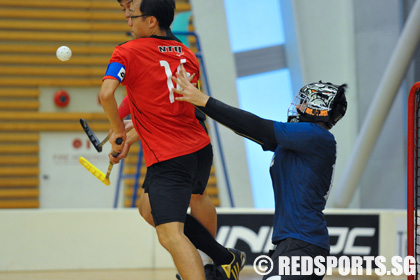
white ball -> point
(63, 53)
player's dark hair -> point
(339, 107)
(162, 10)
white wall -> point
(75, 239)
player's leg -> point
(203, 209)
(145, 210)
(185, 256)
(144, 203)
(201, 205)
(169, 195)
(228, 262)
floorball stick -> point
(104, 178)
(92, 136)
(95, 171)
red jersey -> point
(145, 66)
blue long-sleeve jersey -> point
(301, 169)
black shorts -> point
(170, 184)
(293, 247)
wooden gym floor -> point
(140, 274)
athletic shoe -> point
(209, 272)
(231, 271)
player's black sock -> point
(204, 241)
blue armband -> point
(115, 70)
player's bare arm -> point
(109, 104)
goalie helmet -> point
(318, 102)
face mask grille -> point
(313, 103)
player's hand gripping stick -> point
(114, 154)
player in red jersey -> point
(177, 148)
(202, 208)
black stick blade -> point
(92, 137)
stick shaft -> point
(114, 154)
(105, 140)
(109, 170)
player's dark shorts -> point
(170, 184)
(293, 247)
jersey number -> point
(169, 82)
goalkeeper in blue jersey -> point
(302, 166)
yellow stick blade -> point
(95, 171)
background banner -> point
(350, 235)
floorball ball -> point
(63, 53)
